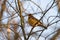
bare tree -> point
(19, 27)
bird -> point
(34, 22)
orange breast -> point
(32, 21)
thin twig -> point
(47, 10)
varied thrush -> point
(34, 22)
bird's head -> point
(29, 14)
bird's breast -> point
(32, 21)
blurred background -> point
(15, 24)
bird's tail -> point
(40, 24)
